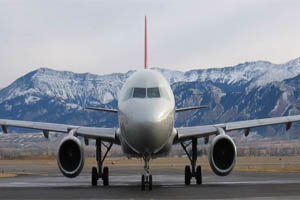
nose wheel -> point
(101, 172)
(146, 177)
(146, 181)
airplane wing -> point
(190, 108)
(105, 134)
(186, 133)
(103, 109)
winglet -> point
(146, 47)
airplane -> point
(146, 115)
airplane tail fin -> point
(146, 47)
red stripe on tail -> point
(146, 47)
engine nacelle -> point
(222, 155)
(70, 156)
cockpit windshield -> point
(139, 92)
(153, 92)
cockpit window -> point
(153, 92)
(139, 92)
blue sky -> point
(103, 37)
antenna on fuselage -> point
(146, 47)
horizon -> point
(163, 68)
(160, 68)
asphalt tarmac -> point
(125, 184)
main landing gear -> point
(100, 173)
(195, 172)
(146, 177)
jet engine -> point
(222, 155)
(70, 156)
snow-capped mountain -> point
(245, 91)
(66, 86)
(259, 73)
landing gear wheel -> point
(143, 183)
(199, 175)
(94, 176)
(150, 182)
(105, 176)
(187, 175)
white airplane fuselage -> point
(146, 108)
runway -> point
(125, 184)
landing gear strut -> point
(195, 172)
(146, 177)
(100, 173)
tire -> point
(187, 175)
(150, 182)
(94, 176)
(105, 176)
(199, 175)
(143, 183)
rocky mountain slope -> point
(246, 91)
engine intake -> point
(222, 155)
(70, 156)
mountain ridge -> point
(246, 91)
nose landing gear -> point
(146, 177)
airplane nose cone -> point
(149, 127)
(148, 115)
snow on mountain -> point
(67, 86)
(245, 91)
(260, 72)
(93, 89)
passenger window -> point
(139, 92)
(153, 92)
